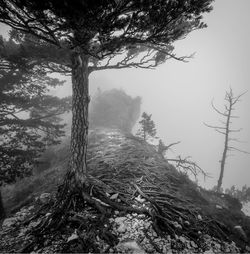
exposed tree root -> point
(132, 181)
(168, 212)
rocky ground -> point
(134, 233)
(133, 175)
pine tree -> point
(29, 118)
(91, 35)
(147, 127)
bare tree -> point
(226, 129)
(187, 165)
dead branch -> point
(189, 166)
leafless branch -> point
(239, 150)
(214, 127)
(189, 166)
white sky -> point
(178, 95)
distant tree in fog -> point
(243, 195)
(29, 118)
(147, 127)
(115, 109)
(226, 130)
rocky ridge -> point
(125, 163)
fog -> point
(178, 95)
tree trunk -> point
(2, 211)
(224, 155)
(77, 172)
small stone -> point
(140, 199)
(193, 244)
(207, 237)
(208, 252)
(187, 223)
(116, 212)
(132, 246)
(129, 216)
(45, 197)
(216, 246)
(154, 234)
(120, 220)
(218, 207)
(182, 239)
(199, 217)
(169, 238)
(114, 196)
(157, 240)
(177, 225)
(121, 229)
(73, 237)
(147, 225)
(164, 250)
(22, 232)
(141, 216)
(31, 207)
(9, 222)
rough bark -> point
(76, 175)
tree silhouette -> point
(226, 130)
(85, 36)
(147, 127)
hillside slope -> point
(144, 188)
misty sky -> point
(178, 95)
